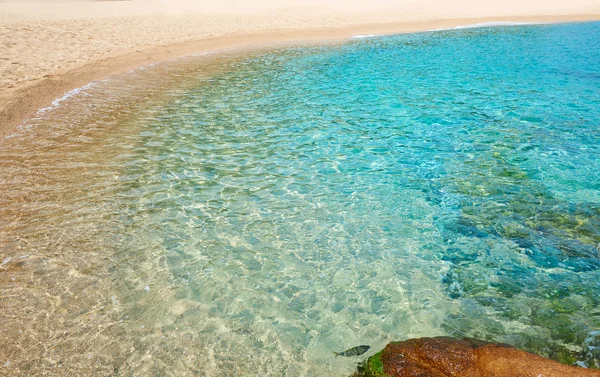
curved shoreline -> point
(22, 102)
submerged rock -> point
(447, 357)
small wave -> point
(83, 89)
(471, 26)
(56, 103)
(487, 24)
(363, 36)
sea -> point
(251, 213)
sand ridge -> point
(49, 48)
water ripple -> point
(248, 215)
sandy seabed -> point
(47, 49)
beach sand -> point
(50, 48)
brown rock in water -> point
(447, 357)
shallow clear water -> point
(250, 214)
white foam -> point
(56, 103)
(471, 26)
(487, 24)
(203, 53)
(361, 36)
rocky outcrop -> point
(447, 357)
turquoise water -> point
(249, 215)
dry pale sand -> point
(49, 48)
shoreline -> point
(21, 102)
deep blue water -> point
(305, 200)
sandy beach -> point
(51, 48)
(296, 195)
